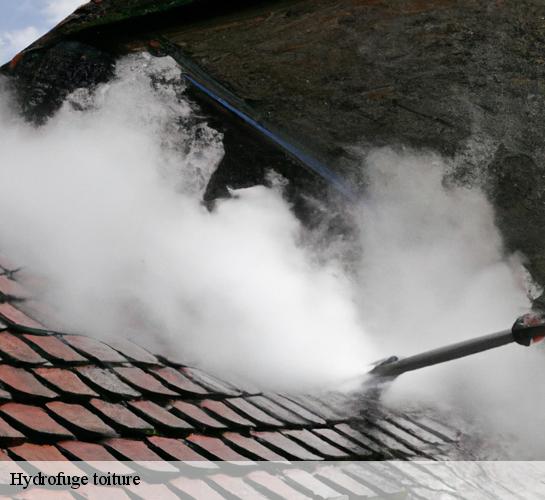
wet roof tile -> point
(160, 417)
(133, 352)
(417, 430)
(223, 412)
(143, 381)
(195, 415)
(14, 349)
(138, 451)
(253, 412)
(23, 383)
(175, 449)
(284, 445)
(236, 487)
(54, 349)
(314, 442)
(18, 318)
(80, 420)
(65, 382)
(94, 349)
(177, 381)
(343, 442)
(103, 380)
(359, 437)
(34, 421)
(213, 384)
(196, 489)
(251, 447)
(443, 431)
(279, 412)
(216, 448)
(386, 440)
(275, 485)
(297, 409)
(121, 418)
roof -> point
(72, 396)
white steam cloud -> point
(104, 202)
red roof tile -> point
(143, 381)
(147, 491)
(92, 452)
(80, 420)
(34, 421)
(195, 415)
(161, 417)
(8, 435)
(253, 412)
(275, 485)
(94, 349)
(133, 352)
(178, 382)
(24, 383)
(216, 448)
(14, 349)
(252, 448)
(12, 288)
(42, 494)
(175, 449)
(18, 318)
(121, 418)
(196, 489)
(312, 441)
(138, 451)
(65, 381)
(285, 446)
(210, 382)
(37, 453)
(104, 380)
(222, 411)
(54, 349)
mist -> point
(103, 204)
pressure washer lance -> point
(527, 330)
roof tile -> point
(138, 451)
(297, 409)
(175, 449)
(377, 481)
(252, 448)
(210, 382)
(222, 411)
(38, 453)
(438, 428)
(196, 489)
(14, 349)
(310, 440)
(195, 415)
(65, 381)
(54, 349)
(34, 421)
(80, 420)
(147, 491)
(284, 445)
(236, 487)
(254, 412)
(275, 485)
(310, 484)
(277, 411)
(121, 418)
(177, 381)
(339, 480)
(160, 416)
(8, 435)
(417, 430)
(387, 441)
(360, 438)
(43, 494)
(343, 442)
(143, 381)
(93, 452)
(104, 380)
(315, 405)
(133, 352)
(216, 448)
(12, 288)
(94, 349)
(18, 318)
(22, 382)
